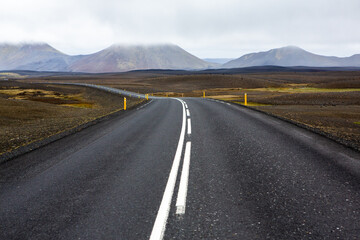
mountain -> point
(218, 60)
(292, 56)
(37, 57)
(117, 58)
(120, 58)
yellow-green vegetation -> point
(357, 123)
(52, 97)
(225, 97)
(304, 89)
(253, 104)
(80, 105)
(11, 75)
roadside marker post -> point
(203, 94)
(245, 99)
(124, 103)
(147, 96)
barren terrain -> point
(325, 100)
(30, 112)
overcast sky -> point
(205, 28)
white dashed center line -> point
(188, 126)
(158, 230)
(181, 197)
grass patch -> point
(358, 123)
(304, 90)
(253, 104)
(79, 105)
(225, 97)
(11, 75)
(45, 96)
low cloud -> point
(226, 28)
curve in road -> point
(251, 176)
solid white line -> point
(181, 197)
(187, 112)
(158, 230)
(189, 126)
(228, 104)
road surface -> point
(184, 169)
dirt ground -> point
(335, 113)
(339, 121)
(325, 100)
(30, 112)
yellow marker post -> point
(147, 96)
(124, 103)
(203, 94)
(166, 94)
(245, 99)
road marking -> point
(181, 197)
(189, 126)
(158, 230)
(187, 112)
(186, 105)
(228, 104)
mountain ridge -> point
(133, 57)
(116, 58)
(122, 58)
(292, 56)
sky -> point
(205, 28)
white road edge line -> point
(189, 126)
(183, 187)
(158, 230)
(187, 112)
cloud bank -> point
(211, 28)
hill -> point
(120, 58)
(292, 56)
(117, 58)
(35, 57)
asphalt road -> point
(197, 169)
